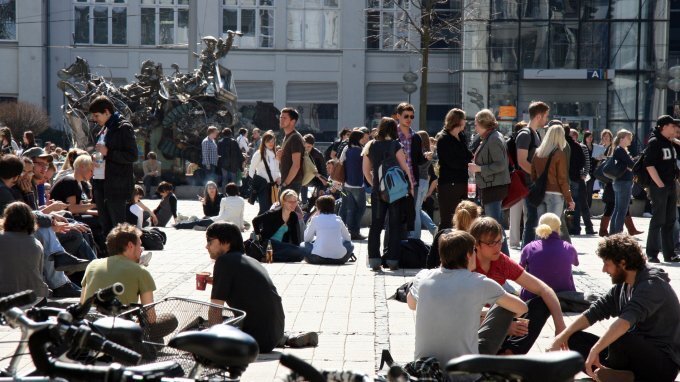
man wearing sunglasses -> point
(498, 332)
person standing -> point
(209, 156)
(557, 183)
(291, 152)
(662, 168)
(113, 181)
(454, 156)
(623, 185)
(264, 165)
(242, 139)
(354, 198)
(231, 158)
(152, 172)
(577, 162)
(527, 141)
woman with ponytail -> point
(466, 213)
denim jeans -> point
(354, 203)
(529, 224)
(316, 259)
(51, 245)
(575, 227)
(421, 191)
(287, 252)
(516, 212)
(427, 222)
(623, 190)
(495, 210)
(264, 199)
(228, 177)
(551, 203)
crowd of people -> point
(75, 219)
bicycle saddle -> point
(221, 346)
(167, 368)
(121, 331)
(553, 366)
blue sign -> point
(596, 74)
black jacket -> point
(269, 222)
(122, 153)
(231, 157)
(660, 153)
(319, 161)
(577, 160)
(454, 157)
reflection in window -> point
(387, 26)
(622, 96)
(594, 41)
(653, 44)
(625, 9)
(655, 9)
(99, 23)
(475, 93)
(503, 46)
(623, 48)
(594, 9)
(535, 9)
(564, 9)
(314, 24)
(504, 9)
(8, 19)
(374, 112)
(475, 41)
(165, 22)
(320, 119)
(254, 19)
(563, 44)
(534, 45)
(502, 90)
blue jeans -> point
(228, 177)
(421, 191)
(551, 203)
(623, 190)
(287, 252)
(354, 202)
(530, 224)
(51, 245)
(316, 259)
(495, 210)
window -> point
(165, 22)
(100, 22)
(387, 25)
(254, 18)
(8, 20)
(313, 24)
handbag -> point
(338, 173)
(612, 169)
(517, 190)
(254, 249)
(537, 189)
(308, 168)
(599, 174)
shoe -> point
(630, 226)
(67, 290)
(647, 215)
(674, 259)
(590, 231)
(605, 374)
(65, 262)
(200, 228)
(302, 340)
(394, 267)
(192, 219)
(604, 226)
(357, 236)
(654, 260)
(145, 258)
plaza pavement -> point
(346, 304)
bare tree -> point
(434, 23)
(23, 116)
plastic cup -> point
(202, 280)
(523, 321)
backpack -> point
(640, 174)
(413, 254)
(308, 168)
(153, 239)
(392, 179)
(511, 144)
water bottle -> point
(97, 156)
(472, 186)
(269, 256)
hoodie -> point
(652, 310)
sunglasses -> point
(410, 116)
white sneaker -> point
(192, 219)
(145, 258)
(181, 218)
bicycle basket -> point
(173, 316)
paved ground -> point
(346, 304)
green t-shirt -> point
(102, 273)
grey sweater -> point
(492, 157)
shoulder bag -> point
(537, 189)
(517, 190)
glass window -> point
(653, 45)
(320, 119)
(101, 25)
(564, 9)
(502, 90)
(475, 37)
(534, 9)
(313, 24)
(99, 22)
(118, 25)
(374, 112)
(622, 97)
(654, 9)
(563, 45)
(255, 19)
(166, 23)
(82, 25)
(594, 9)
(503, 46)
(594, 42)
(8, 20)
(504, 9)
(475, 91)
(534, 40)
(623, 46)
(625, 9)
(387, 26)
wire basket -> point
(175, 315)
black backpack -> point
(413, 254)
(153, 239)
(640, 174)
(511, 143)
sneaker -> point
(67, 290)
(647, 215)
(192, 219)
(605, 374)
(302, 340)
(65, 262)
(674, 259)
(145, 258)
(590, 231)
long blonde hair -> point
(466, 213)
(547, 224)
(553, 139)
(620, 135)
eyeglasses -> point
(40, 164)
(409, 116)
(492, 243)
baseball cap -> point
(665, 120)
(363, 129)
(37, 152)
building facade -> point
(342, 63)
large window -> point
(254, 18)
(313, 24)
(8, 20)
(165, 22)
(100, 22)
(387, 25)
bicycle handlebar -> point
(18, 299)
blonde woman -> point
(466, 212)
(557, 184)
(623, 185)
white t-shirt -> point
(139, 213)
(231, 210)
(330, 232)
(242, 143)
(99, 168)
(447, 315)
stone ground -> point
(346, 304)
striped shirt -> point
(209, 151)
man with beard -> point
(643, 342)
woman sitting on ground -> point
(280, 227)
(211, 200)
(168, 206)
(327, 240)
(138, 214)
(466, 212)
(231, 209)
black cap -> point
(665, 120)
(37, 152)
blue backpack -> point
(393, 181)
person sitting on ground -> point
(22, 255)
(167, 208)
(327, 240)
(549, 258)
(75, 190)
(67, 167)
(211, 200)
(152, 172)
(243, 283)
(643, 341)
(280, 226)
(138, 214)
(466, 212)
(231, 209)
(447, 323)
(496, 265)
